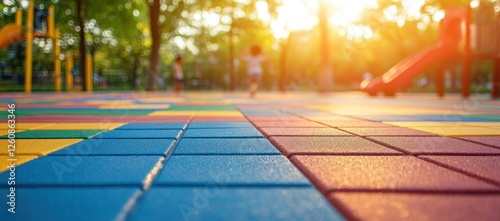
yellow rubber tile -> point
(461, 131)
(173, 113)
(83, 126)
(5, 131)
(445, 124)
(38, 147)
(18, 160)
(136, 106)
(25, 126)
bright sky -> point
(296, 15)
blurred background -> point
(133, 43)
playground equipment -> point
(39, 24)
(452, 34)
(88, 72)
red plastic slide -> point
(401, 75)
(9, 34)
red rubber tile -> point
(287, 124)
(493, 141)
(219, 119)
(328, 145)
(332, 118)
(483, 166)
(391, 173)
(357, 123)
(416, 207)
(302, 132)
(389, 131)
(275, 118)
(436, 145)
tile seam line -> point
(336, 206)
(463, 172)
(360, 136)
(134, 201)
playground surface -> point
(216, 156)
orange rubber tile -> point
(388, 173)
(276, 118)
(436, 145)
(328, 146)
(294, 131)
(390, 131)
(487, 167)
(416, 207)
(287, 124)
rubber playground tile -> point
(76, 119)
(481, 166)
(157, 119)
(244, 132)
(418, 207)
(219, 119)
(289, 131)
(219, 114)
(444, 124)
(37, 146)
(230, 170)
(93, 112)
(82, 126)
(117, 147)
(328, 145)
(5, 161)
(225, 146)
(151, 126)
(139, 134)
(330, 117)
(436, 145)
(173, 113)
(84, 170)
(219, 125)
(492, 141)
(24, 126)
(460, 131)
(388, 173)
(55, 134)
(275, 118)
(383, 118)
(78, 204)
(287, 124)
(356, 123)
(152, 107)
(207, 203)
(389, 131)
(5, 133)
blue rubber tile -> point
(76, 204)
(139, 134)
(223, 132)
(84, 170)
(225, 146)
(219, 125)
(220, 203)
(230, 170)
(151, 126)
(117, 147)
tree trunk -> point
(283, 78)
(83, 48)
(325, 75)
(154, 14)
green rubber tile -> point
(55, 134)
(222, 203)
(77, 204)
(94, 112)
